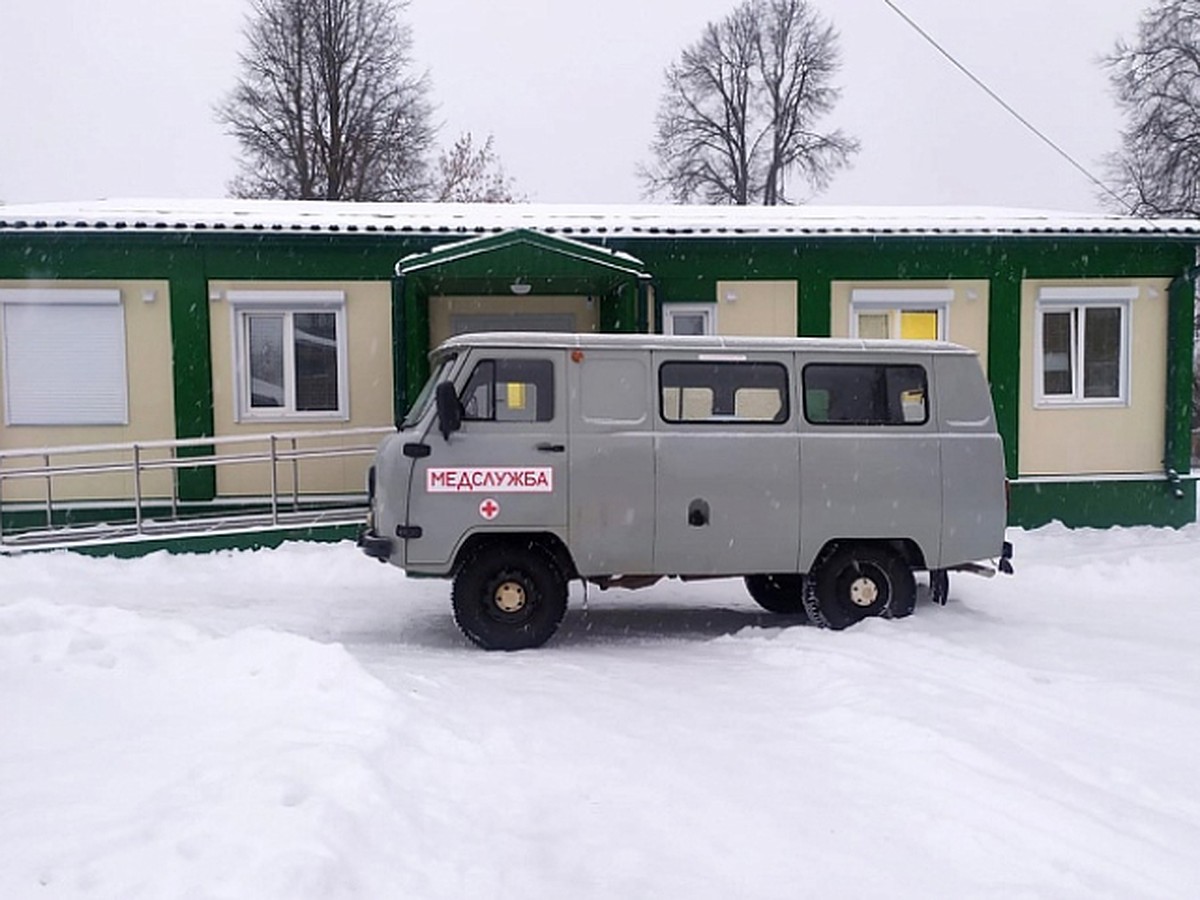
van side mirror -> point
(448, 408)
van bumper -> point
(374, 545)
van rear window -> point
(742, 392)
(865, 394)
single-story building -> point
(150, 321)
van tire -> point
(782, 594)
(857, 581)
(509, 597)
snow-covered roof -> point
(572, 219)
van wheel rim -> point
(863, 591)
(509, 597)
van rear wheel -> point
(509, 598)
(858, 581)
(783, 594)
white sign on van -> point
(492, 480)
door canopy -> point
(521, 262)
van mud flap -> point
(939, 586)
(1006, 556)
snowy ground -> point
(305, 723)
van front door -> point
(727, 459)
(505, 469)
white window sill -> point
(245, 418)
(1072, 403)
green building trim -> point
(624, 258)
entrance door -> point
(506, 468)
(473, 322)
(451, 315)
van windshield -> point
(425, 398)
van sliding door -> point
(727, 464)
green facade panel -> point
(1100, 504)
(681, 269)
(211, 543)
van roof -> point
(567, 341)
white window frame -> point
(894, 301)
(1077, 300)
(288, 303)
(707, 310)
(72, 405)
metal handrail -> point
(195, 442)
(281, 448)
(187, 462)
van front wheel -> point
(509, 598)
(858, 581)
(783, 594)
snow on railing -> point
(115, 484)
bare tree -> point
(1157, 80)
(738, 116)
(1156, 172)
(470, 174)
(327, 107)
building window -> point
(907, 313)
(64, 357)
(1082, 346)
(740, 392)
(290, 354)
(689, 318)
(865, 394)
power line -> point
(1008, 108)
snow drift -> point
(304, 723)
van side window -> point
(723, 392)
(510, 390)
(865, 394)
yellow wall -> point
(147, 308)
(369, 381)
(757, 308)
(1105, 440)
(441, 309)
(967, 321)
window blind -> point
(64, 361)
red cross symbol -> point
(489, 509)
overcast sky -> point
(114, 98)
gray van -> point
(824, 472)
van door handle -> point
(546, 447)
